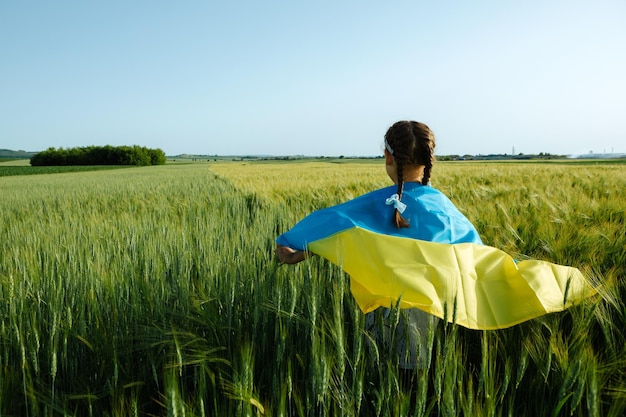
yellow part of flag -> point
(473, 285)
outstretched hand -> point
(287, 255)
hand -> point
(287, 255)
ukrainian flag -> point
(438, 264)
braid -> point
(428, 156)
(427, 168)
(398, 220)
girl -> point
(409, 209)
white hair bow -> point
(394, 201)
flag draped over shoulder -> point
(438, 264)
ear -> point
(389, 160)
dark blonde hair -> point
(411, 144)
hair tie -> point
(388, 147)
(394, 201)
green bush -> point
(99, 155)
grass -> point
(19, 169)
(154, 291)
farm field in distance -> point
(154, 291)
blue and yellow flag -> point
(438, 264)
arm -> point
(290, 256)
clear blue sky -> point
(313, 78)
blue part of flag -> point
(431, 215)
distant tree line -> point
(99, 155)
(6, 153)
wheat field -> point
(154, 291)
